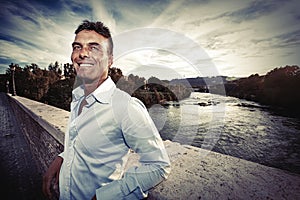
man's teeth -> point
(85, 65)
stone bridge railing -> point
(196, 173)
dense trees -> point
(280, 87)
(31, 81)
(54, 87)
(151, 91)
(38, 84)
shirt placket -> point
(69, 159)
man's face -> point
(90, 57)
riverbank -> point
(198, 173)
(279, 88)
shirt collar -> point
(77, 93)
(101, 94)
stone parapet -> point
(45, 136)
(196, 173)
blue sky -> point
(193, 37)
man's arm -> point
(52, 174)
(141, 135)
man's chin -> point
(85, 80)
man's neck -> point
(91, 87)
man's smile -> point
(85, 64)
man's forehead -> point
(89, 36)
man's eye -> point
(76, 47)
(94, 48)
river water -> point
(232, 126)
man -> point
(105, 124)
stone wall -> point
(46, 142)
(196, 173)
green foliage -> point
(279, 87)
(51, 87)
(33, 82)
(152, 91)
(59, 94)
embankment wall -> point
(196, 173)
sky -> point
(167, 39)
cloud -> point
(157, 65)
(232, 33)
(254, 10)
(100, 12)
(285, 40)
(32, 34)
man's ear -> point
(110, 60)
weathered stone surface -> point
(58, 118)
(201, 174)
(198, 173)
(20, 178)
(43, 134)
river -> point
(232, 126)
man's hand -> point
(51, 173)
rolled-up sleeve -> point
(141, 135)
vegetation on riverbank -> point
(51, 87)
(280, 87)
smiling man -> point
(105, 125)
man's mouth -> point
(85, 64)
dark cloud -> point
(255, 10)
(24, 17)
(54, 4)
(80, 9)
(285, 40)
(18, 41)
(289, 39)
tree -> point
(115, 74)
(69, 71)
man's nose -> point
(84, 52)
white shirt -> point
(97, 144)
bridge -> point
(32, 135)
